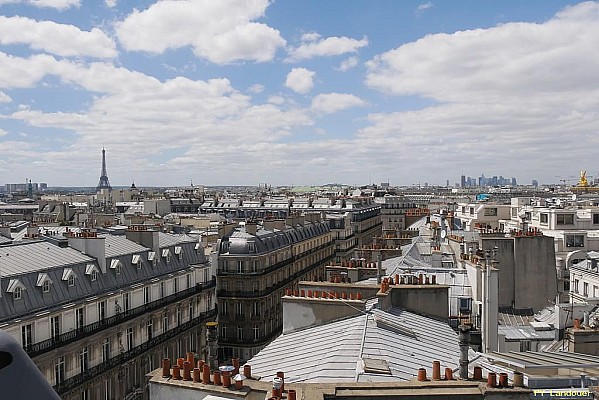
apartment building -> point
(481, 215)
(584, 280)
(255, 264)
(97, 312)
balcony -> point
(122, 358)
(261, 341)
(277, 286)
(88, 330)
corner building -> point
(98, 312)
(255, 265)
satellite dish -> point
(574, 197)
(443, 234)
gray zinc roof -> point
(170, 239)
(28, 257)
(120, 245)
(337, 352)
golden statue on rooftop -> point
(583, 179)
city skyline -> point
(296, 92)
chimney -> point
(91, 245)
(251, 227)
(464, 340)
(5, 231)
(140, 234)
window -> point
(471, 210)
(79, 318)
(224, 310)
(544, 218)
(26, 335)
(55, 326)
(595, 219)
(525, 345)
(105, 350)
(127, 301)
(175, 284)
(574, 240)
(565, 219)
(71, 280)
(85, 394)
(239, 309)
(255, 309)
(83, 359)
(130, 339)
(595, 291)
(101, 310)
(223, 330)
(162, 290)
(576, 282)
(46, 286)
(178, 316)
(165, 323)
(240, 267)
(117, 269)
(585, 289)
(190, 310)
(18, 293)
(239, 333)
(150, 329)
(94, 275)
(59, 370)
(146, 294)
(256, 332)
(188, 280)
(491, 212)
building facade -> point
(97, 312)
(256, 263)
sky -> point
(290, 92)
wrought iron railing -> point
(79, 379)
(88, 330)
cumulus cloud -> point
(59, 39)
(348, 64)
(219, 31)
(313, 45)
(501, 96)
(3, 132)
(4, 98)
(110, 3)
(256, 88)
(57, 4)
(329, 103)
(300, 80)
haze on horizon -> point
(302, 93)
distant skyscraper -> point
(104, 183)
(463, 181)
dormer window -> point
(179, 252)
(43, 281)
(152, 258)
(116, 265)
(136, 260)
(92, 271)
(16, 288)
(69, 275)
(167, 255)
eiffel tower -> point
(103, 184)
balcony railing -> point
(122, 358)
(88, 330)
(277, 286)
(263, 340)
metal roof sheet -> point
(34, 256)
(170, 239)
(120, 246)
(341, 346)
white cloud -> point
(313, 46)
(256, 88)
(505, 98)
(424, 6)
(348, 64)
(329, 103)
(300, 80)
(59, 39)
(3, 132)
(4, 98)
(110, 3)
(57, 4)
(220, 31)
